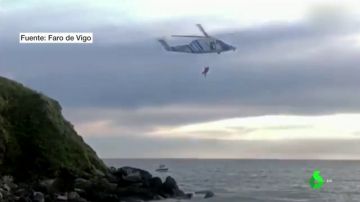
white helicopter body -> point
(203, 44)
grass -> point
(35, 139)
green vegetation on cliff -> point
(35, 140)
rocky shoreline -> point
(124, 184)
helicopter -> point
(203, 44)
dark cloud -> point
(294, 69)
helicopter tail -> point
(165, 45)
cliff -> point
(35, 140)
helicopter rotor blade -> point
(202, 30)
(191, 36)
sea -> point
(257, 180)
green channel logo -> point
(316, 181)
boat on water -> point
(162, 168)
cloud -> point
(200, 123)
(279, 127)
(146, 147)
(137, 11)
(125, 85)
(102, 122)
(277, 71)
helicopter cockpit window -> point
(212, 45)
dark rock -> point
(171, 188)
(9, 180)
(62, 197)
(73, 196)
(19, 191)
(132, 175)
(158, 197)
(81, 183)
(99, 173)
(6, 187)
(47, 186)
(207, 193)
(136, 193)
(112, 169)
(188, 195)
(104, 185)
(155, 184)
(79, 200)
(23, 195)
(104, 197)
(100, 189)
(65, 181)
(131, 200)
(79, 191)
(24, 199)
(112, 178)
(38, 197)
(110, 198)
(170, 184)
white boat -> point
(162, 168)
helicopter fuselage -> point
(209, 45)
(201, 44)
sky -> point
(289, 91)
